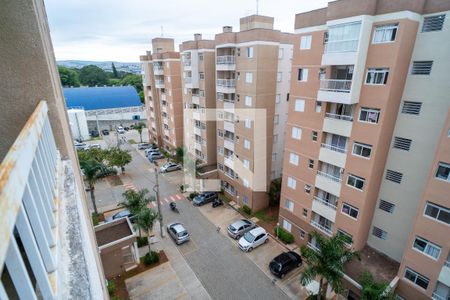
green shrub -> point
(111, 287)
(94, 219)
(115, 298)
(151, 258)
(247, 209)
(131, 141)
(193, 195)
(284, 235)
(142, 241)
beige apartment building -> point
(163, 94)
(252, 72)
(198, 69)
(368, 101)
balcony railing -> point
(159, 82)
(341, 46)
(436, 296)
(231, 175)
(447, 264)
(226, 82)
(227, 138)
(226, 60)
(329, 176)
(333, 148)
(314, 247)
(187, 80)
(325, 202)
(322, 228)
(336, 85)
(339, 117)
(187, 62)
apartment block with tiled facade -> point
(199, 93)
(367, 105)
(163, 94)
(251, 66)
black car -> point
(204, 198)
(105, 132)
(285, 262)
(94, 133)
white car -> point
(81, 146)
(253, 239)
(120, 130)
(169, 167)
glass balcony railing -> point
(341, 46)
(226, 60)
(333, 148)
(336, 85)
(226, 82)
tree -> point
(93, 171)
(139, 128)
(69, 77)
(91, 75)
(373, 290)
(114, 71)
(275, 192)
(134, 80)
(136, 201)
(327, 262)
(146, 220)
(118, 157)
(179, 154)
(99, 155)
(142, 97)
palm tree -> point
(373, 290)
(93, 171)
(326, 263)
(145, 221)
(139, 128)
(136, 201)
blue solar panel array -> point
(102, 97)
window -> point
(274, 156)
(287, 225)
(245, 200)
(311, 163)
(385, 33)
(277, 98)
(248, 123)
(363, 150)
(246, 144)
(314, 135)
(302, 234)
(250, 52)
(201, 75)
(292, 183)
(350, 210)
(421, 67)
(437, 212)
(377, 76)
(302, 75)
(402, 143)
(411, 108)
(394, 176)
(238, 51)
(386, 206)
(248, 101)
(305, 42)
(280, 53)
(276, 119)
(279, 76)
(379, 233)
(294, 159)
(427, 248)
(307, 188)
(220, 133)
(200, 56)
(246, 182)
(318, 106)
(443, 171)
(289, 205)
(296, 133)
(348, 238)
(305, 212)
(220, 150)
(299, 105)
(355, 181)
(220, 167)
(201, 93)
(369, 115)
(275, 138)
(416, 278)
(433, 23)
(248, 77)
(246, 163)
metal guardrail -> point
(325, 202)
(226, 82)
(341, 46)
(226, 60)
(322, 228)
(339, 117)
(333, 148)
(336, 85)
(329, 176)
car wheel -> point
(282, 276)
(250, 249)
(266, 240)
(299, 264)
(237, 237)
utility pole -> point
(156, 190)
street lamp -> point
(278, 228)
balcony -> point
(328, 230)
(228, 143)
(229, 161)
(158, 70)
(444, 275)
(196, 99)
(342, 44)
(166, 132)
(324, 208)
(338, 124)
(164, 108)
(226, 86)
(198, 145)
(187, 62)
(335, 90)
(226, 63)
(333, 155)
(163, 97)
(329, 183)
(229, 126)
(159, 84)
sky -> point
(121, 30)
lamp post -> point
(278, 229)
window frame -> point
(247, 144)
(249, 52)
(362, 146)
(446, 166)
(293, 181)
(297, 130)
(305, 42)
(303, 74)
(356, 178)
(286, 222)
(289, 205)
(248, 75)
(296, 159)
(439, 208)
(375, 71)
(368, 110)
(385, 27)
(248, 101)
(301, 104)
(350, 209)
(417, 275)
(427, 246)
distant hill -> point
(131, 67)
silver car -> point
(178, 233)
(169, 167)
(238, 228)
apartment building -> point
(48, 249)
(163, 94)
(252, 72)
(198, 69)
(367, 103)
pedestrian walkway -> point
(167, 200)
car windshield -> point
(232, 228)
(276, 265)
(182, 234)
(249, 237)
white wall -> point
(78, 124)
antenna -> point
(162, 31)
(257, 7)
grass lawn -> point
(264, 216)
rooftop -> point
(92, 98)
(112, 231)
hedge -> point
(284, 235)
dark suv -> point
(285, 262)
(204, 198)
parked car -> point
(178, 233)
(142, 146)
(94, 133)
(152, 148)
(253, 238)
(105, 132)
(154, 156)
(126, 128)
(238, 228)
(80, 146)
(284, 263)
(93, 146)
(169, 167)
(121, 214)
(218, 202)
(120, 130)
(203, 198)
